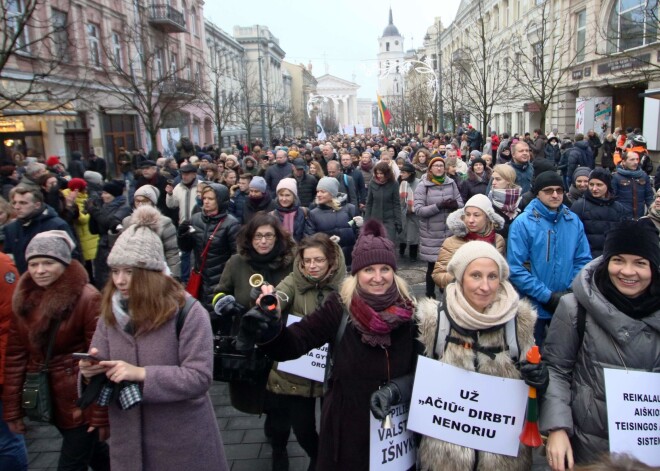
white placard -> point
(633, 413)
(311, 365)
(392, 449)
(467, 408)
(168, 140)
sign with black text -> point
(392, 449)
(311, 365)
(466, 408)
(633, 413)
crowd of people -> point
(141, 272)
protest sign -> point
(392, 449)
(633, 413)
(311, 365)
(466, 408)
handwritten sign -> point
(311, 365)
(392, 449)
(467, 408)
(633, 413)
